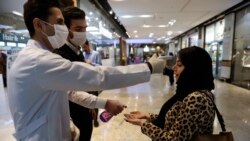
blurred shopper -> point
(168, 70)
(190, 110)
(3, 59)
(39, 80)
(92, 57)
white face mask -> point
(79, 38)
(61, 34)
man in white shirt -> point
(39, 80)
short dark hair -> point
(87, 42)
(70, 13)
(37, 9)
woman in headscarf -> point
(191, 109)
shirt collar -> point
(33, 42)
(74, 48)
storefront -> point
(241, 51)
(103, 34)
(214, 44)
(193, 39)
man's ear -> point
(37, 24)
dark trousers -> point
(82, 118)
(170, 73)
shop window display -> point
(241, 52)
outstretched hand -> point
(114, 107)
(136, 117)
(157, 64)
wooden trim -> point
(226, 63)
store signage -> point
(13, 38)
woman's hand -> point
(137, 115)
(138, 122)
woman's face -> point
(178, 68)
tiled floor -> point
(232, 101)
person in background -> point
(39, 80)
(191, 109)
(76, 23)
(3, 63)
(168, 70)
(92, 57)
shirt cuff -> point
(101, 102)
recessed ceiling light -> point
(135, 31)
(145, 16)
(147, 26)
(110, 12)
(127, 16)
(117, 0)
(90, 13)
(151, 35)
(17, 13)
(170, 33)
(162, 26)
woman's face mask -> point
(79, 38)
(61, 34)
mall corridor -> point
(232, 101)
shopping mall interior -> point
(126, 32)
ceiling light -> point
(170, 33)
(127, 16)
(147, 26)
(162, 26)
(117, 0)
(128, 34)
(90, 13)
(136, 36)
(110, 12)
(151, 35)
(135, 31)
(145, 16)
(115, 17)
(17, 13)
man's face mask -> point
(79, 38)
(61, 34)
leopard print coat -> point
(194, 114)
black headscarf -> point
(197, 75)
